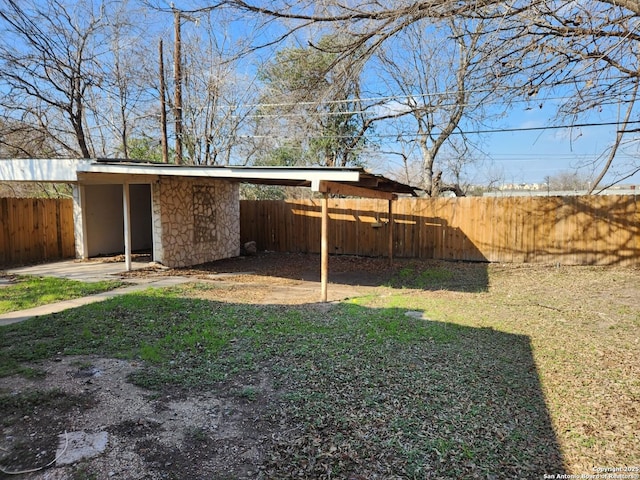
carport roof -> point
(353, 181)
(286, 176)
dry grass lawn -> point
(428, 370)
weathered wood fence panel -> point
(586, 230)
(35, 229)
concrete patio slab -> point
(85, 271)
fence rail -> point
(581, 230)
(35, 230)
(576, 230)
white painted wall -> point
(105, 220)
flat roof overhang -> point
(351, 181)
(347, 181)
(320, 179)
(340, 181)
(54, 170)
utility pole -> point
(177, 60)
(163, 108)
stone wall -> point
(195, 220)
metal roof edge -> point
(71, 170)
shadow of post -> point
(580, 230)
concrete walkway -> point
(88, 272)
(85, 271)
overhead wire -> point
(396, 97)
(458, 132)
(432, 95)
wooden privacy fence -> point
(576, 230)
(582, 230)
(35, 229)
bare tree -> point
(437, 81)
(217, 97)
(370, 24)
(567, 180)
(20, 139)
(48, 62)
(121, 105)
(70, 74)
(587, 51)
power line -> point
(550, 127)
(458, 132)
(387, 107)
(387, 98)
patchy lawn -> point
(443, 370)
(26, 291)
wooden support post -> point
(164, 139)
(324, 248)
(127, 226)
(177, 73)
(390, 232)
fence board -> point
(4, 233)
(35, 230)
(602, 230)
(584, 230)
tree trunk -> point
(75, 116)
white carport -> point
(165, 180)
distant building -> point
(540, 190)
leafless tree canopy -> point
(48, 76)
(410, 79)
(589, 48)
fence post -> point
(390, 233)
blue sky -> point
(517, 156)
(529, 156)
(521, 148)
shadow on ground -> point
(355, 271)
(312, 391)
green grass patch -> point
(520, 378)
(420, 276)
(370, 381)
(193, 342)
(248, 393)
(28, 291)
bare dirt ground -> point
(158, 435)
(151, 435)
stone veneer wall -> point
(195, 220)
